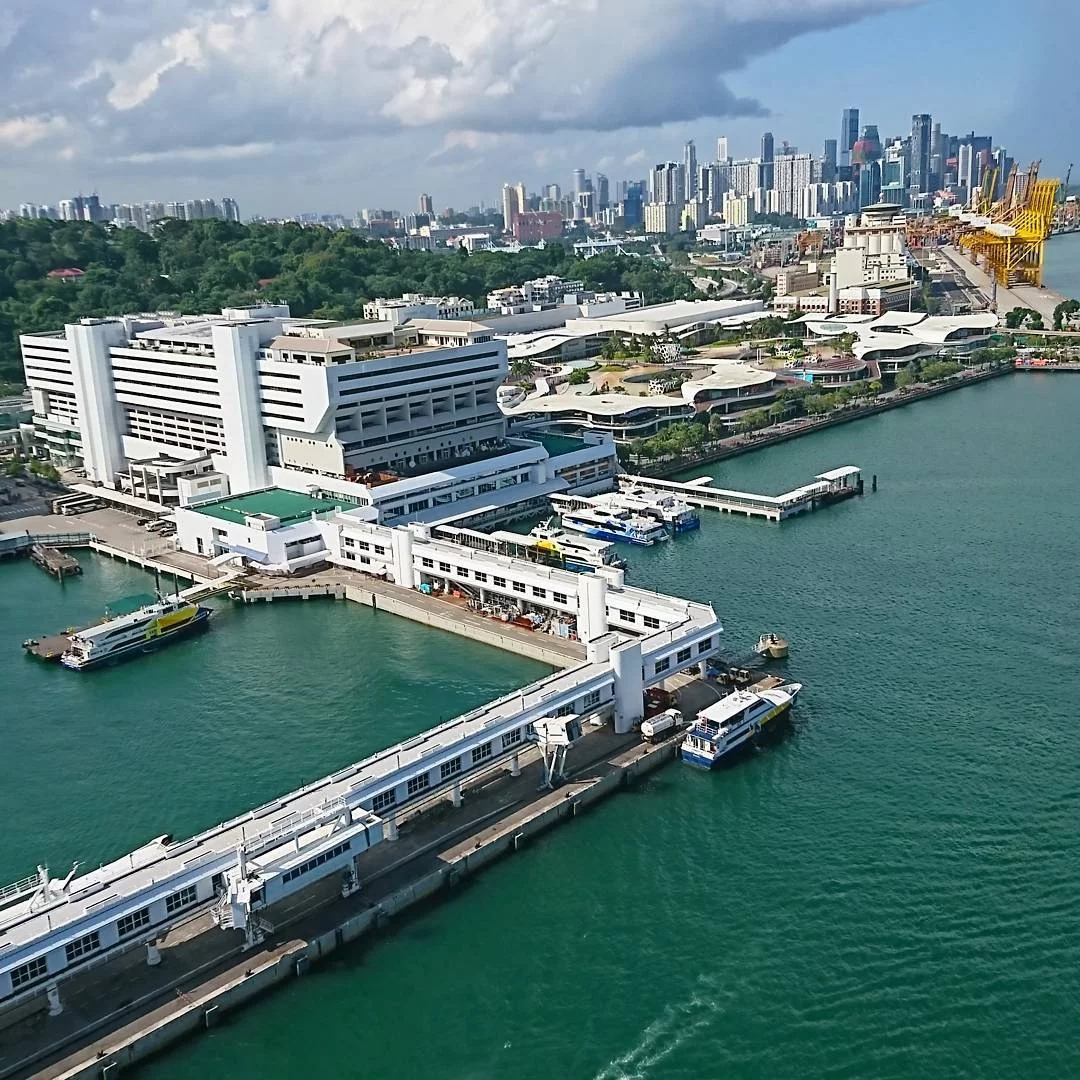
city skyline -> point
(158, 145)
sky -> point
(295, 106)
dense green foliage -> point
(1021, 318)
(203, 266)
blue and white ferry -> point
(620, 526)
(734, 723)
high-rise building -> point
(767, 172)
(602, 193)
(722, 152)
(793, 172)
(921, 135)
(510, 206)
(849, 134)
(967, 166)
(552, 192)
(690, 169)
(229, 209)
(667, 184)
(427, 205)
(579, 181)
(828, 162)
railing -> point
(63, 539)
(288, 827)
(19, 888)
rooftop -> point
(288, 506)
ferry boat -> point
(578, 553)
(140, 631)
(734, 723)
(677, 515)
(619, 526)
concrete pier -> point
(119, 1014)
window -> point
(182, 898)
(81, 946)
(627, 616)
(704, 646)
(511, 738)
(565, 710)
(542, 593)
(518, 586)
(651, 622)
(383, 800)
(559, 597)
(591, 700)
(420, 504)
(135, 921)
(28, 972)
(449, 768)
(462, 572)
(682, 655)
(303, 868)
(479, 575)
(364, 545)
(418, 783)
(380, 550)
(349, 542)
(444, 567)
(499, 582)
(481, 753)
(663, 665)
(428, 563)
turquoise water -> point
(1062, 271)
(890, 892)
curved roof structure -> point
(728, 377)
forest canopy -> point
(203, 266)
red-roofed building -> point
(66, 273)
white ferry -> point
(147, 628)
(620, 526)
(577, 552)
(677, 515)
(734, 723)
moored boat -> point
(735, 723)
(773, 646)
(661, 506)
(619, 526)
(146, 628)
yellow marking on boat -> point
(167, 622)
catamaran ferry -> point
(577, 553)
(734, 723)
(147, 628)
(620, 526)
(677, 515)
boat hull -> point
(770, 724)
(686, 526)
(199, 622)
(598, 533)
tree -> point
(521, 368)
(13, 468)
(579, 376)
(611, 348)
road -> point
(1022, 296)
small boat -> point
(620, 526)
(735, 723)
(142, 630)
(772, 646)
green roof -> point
(288, 506)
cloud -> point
(23, 131)
(145, 78)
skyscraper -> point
(767, 155)
(849, 134)
(668, 184)
(509, 206)
(230, 211)
(602, 192)
(722, 152)
(579, 181)
(828, 171)
(921, 128)
(427, 205)
(690, 169)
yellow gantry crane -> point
(1008, 237)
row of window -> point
(326, 856)
(88, 943)
(682, 656)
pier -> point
(827, 487)
(54, 561)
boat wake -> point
(676, 1025)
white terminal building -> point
(399, 418)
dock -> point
(54, 561)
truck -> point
(661, 725)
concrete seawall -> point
(194, 1008)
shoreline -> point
(767, 437)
